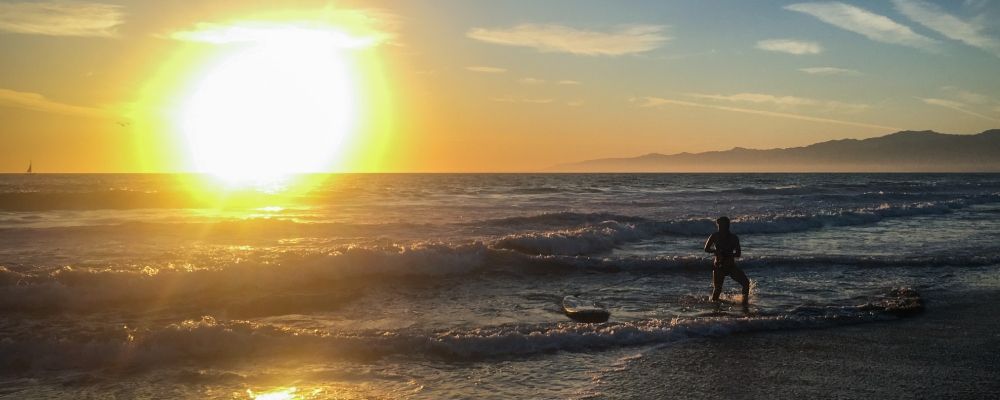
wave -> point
(209, 340)
(564, 218)
(233, 285)
(305, 282)
(608, 234)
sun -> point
(279, 101)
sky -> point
(476, 86)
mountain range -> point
(905, 151)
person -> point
(726, 247)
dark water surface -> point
(438, 286)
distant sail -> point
(29, 167)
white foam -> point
(209, 340)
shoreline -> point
(948, 351)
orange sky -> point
(478, 86)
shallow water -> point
(444, 286)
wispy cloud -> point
(967, 96)
(658, 101)
(552, 38)
(340, 27)
(828, 71)
(568, 82)
(783, 101)
(575, 103)
(486, 70)
(248, 32)
(957, 106)
(531, 81)
(37, 102)
(952, 27)
(873, 26)
(509, 99)
(756, 98)
(790, 46)
(57, 18)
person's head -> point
(723, 224)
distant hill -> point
(906, 151)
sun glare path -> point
(271, 108)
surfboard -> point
(582, 310)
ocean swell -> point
(609, 234)
(208, 340)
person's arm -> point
(738, 249)
(710, 244)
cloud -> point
(37, 102)
(873, 26)
(967, 96)
(531, 81)
(249, 32)
(563, 39)
(957, 106)
(657, 102)
(509, 99)
(790, 46)
(568, 82)
(933, 17)
(575, 103)
(340, 27)
(61, 18)
(486, 70)
(783, 101)
(828, 71)
(757, 98)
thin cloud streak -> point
(37, 102)
(551, 38)
(956, 106)
(783, 101)
(344, 28)
(61, 19)
(487, 70)
(657, 101)
(873, 26)
(757, 98)
(251, 32)
(967, 96)
(933, 17)
(790, 46)
(829, 71)
(509, 99)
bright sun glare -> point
(281, 102)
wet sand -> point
(951, 350)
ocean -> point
(450, 285)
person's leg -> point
(717, 278)
(741, 277)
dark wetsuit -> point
(726, 247)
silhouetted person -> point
(726, 247)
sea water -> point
(448, 285)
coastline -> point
(948, 351)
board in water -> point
(583, 310)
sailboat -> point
(29, 167)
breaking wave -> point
(311, 281)
(608, 234)
(208, 340)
